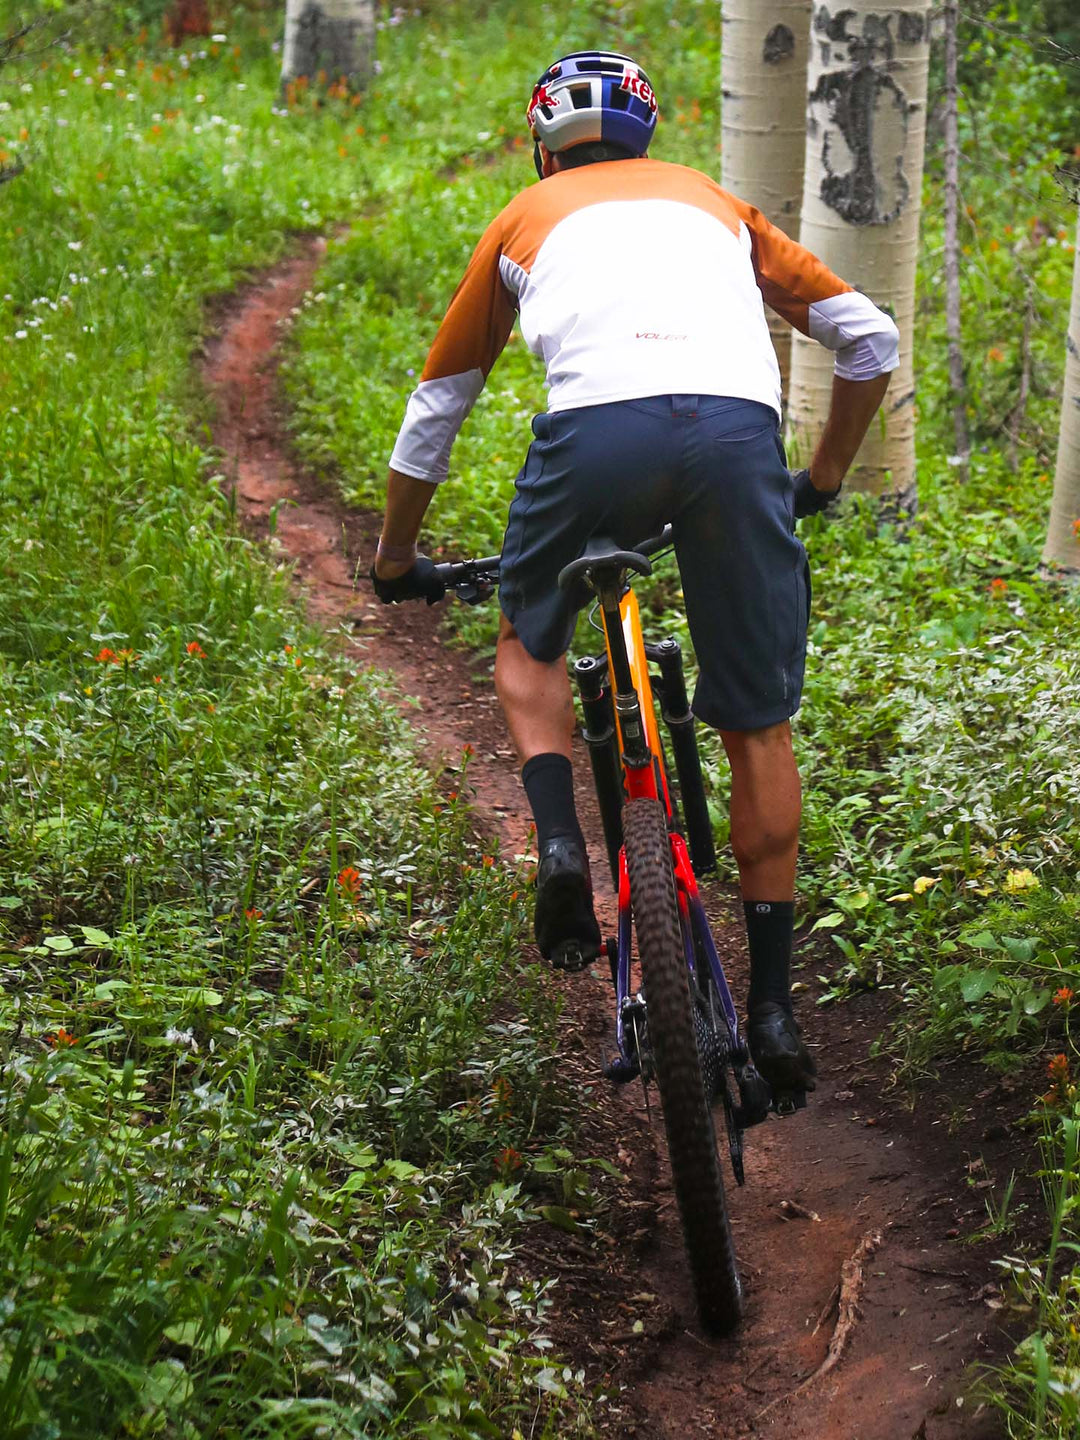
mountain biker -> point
(641, 284)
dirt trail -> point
(853, 1162)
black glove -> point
(418, 583)
(809, 500)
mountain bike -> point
(679, 1029)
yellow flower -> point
(902, 898)
(924, 882)
(1020, 880)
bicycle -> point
(680, 1028)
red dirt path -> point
(857, 1161)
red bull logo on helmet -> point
(640, 89)
(541, 96)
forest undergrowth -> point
(937, 738)
(278, 1097)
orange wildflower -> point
(998, 586)
(349, 880)
(508, 1160)
(105, 656)
(252, 914)
(60, 1038)
(1063, 997)
(1058, 1069)
(995, 354)
(194, 648)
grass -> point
(278, 1097)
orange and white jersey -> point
(633, 278)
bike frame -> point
(645, 777)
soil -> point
(856, 1163)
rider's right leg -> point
(766, 804)
(538, 705)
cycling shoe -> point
(779, 1051)
(566, 930)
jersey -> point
(633, 278)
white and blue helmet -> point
(593, 96)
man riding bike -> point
(641, 284)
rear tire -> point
(688, 1123)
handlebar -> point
(475, 580)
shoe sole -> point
(568, 895)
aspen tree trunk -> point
(1063, 536)
(865, 135)
(957, 379)
(329, 40)
(763, 126)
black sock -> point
(769, 927)
(549, 785)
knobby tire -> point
(688, 1123)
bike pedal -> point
(572, 956)
(788, 1102)
(620, 1070)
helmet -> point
(593, 95)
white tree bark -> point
(865, 136)
(957, 380)
(1063, 536)
(334, 39)
(763, 124)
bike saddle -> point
(602, 564)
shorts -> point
(715, 468)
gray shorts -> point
(715, 468)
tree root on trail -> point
(852, 1275)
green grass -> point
(278, 1096)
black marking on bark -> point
(912, 28)
(872, 190)
(779, 45)
(1071, 346)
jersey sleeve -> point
(470, 339)
(796, 284)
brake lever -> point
(475, 591)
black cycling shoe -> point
(566, 930)
(779, 1051)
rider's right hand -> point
(419, 582)
(809, 500)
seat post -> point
(636, 752)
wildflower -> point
(61, 1038)
(181, 1037)
(508, 1160)
(1058, 1069)
(157, 679)
(288, 649)
(1076, 528)
(489, 860)
(349, 880)
(252, 914)
(468, 751)
(194, 648)
(1063, 997)
(924, 882)
(105, 656)
(1017, 880)
(995, 354)
(998, 586)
